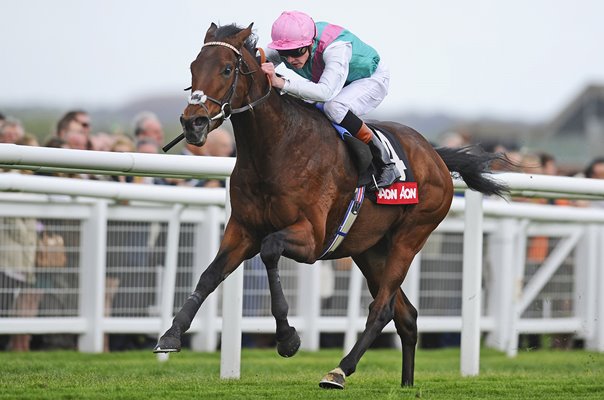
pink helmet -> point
(292, 30)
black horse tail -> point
(472, 162)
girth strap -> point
(349, 218)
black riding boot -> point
(388, 171)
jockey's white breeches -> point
(360, 96)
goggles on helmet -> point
(293, 52)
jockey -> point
(341, 71)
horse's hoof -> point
(290, 345)
(333, 380)
(167, 344)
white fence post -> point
(518, 282)
(353, 311)
(309, 303)
(501, 284)
(232, 311)
(92, 278)
(411, 286)
(411, 283)
(472, 284)
(598, 340)
(586, 291)
(169, 275)
(207, 240)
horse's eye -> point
(227, 70)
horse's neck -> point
(252, 129)
(266, 132)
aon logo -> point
(398, 193)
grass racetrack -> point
(264, 375)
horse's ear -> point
(244, 34)
(210, 32)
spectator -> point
(11, 130)
(102, 141)
(149, 146)
(76, 139)
(131, 258)
(18, 237)
(17, 262)
(548, 164)
(57, 282)
(148, 126)
(122, 144)
(56, 142)
(219, 143)
(595, 169)
(76, 120)
(28, 140)
(455, 139)
(2, 119)
(510, 151)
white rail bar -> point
(547, 183)
(48, 159)
(498, 208)
(16, 182)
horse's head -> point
(218, 86)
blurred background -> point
(526, 74)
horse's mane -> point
(226, 31)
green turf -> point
(265, 375)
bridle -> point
(198, 97)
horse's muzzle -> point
(195, 128)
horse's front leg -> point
(236, 246)
(296, 241)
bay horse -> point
(291, 185)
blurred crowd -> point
(524, 160)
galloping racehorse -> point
(291, 186)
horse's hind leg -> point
(294, 240)
(405, 319)
(386, 284)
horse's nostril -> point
(199, 121)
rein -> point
(198, 97)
